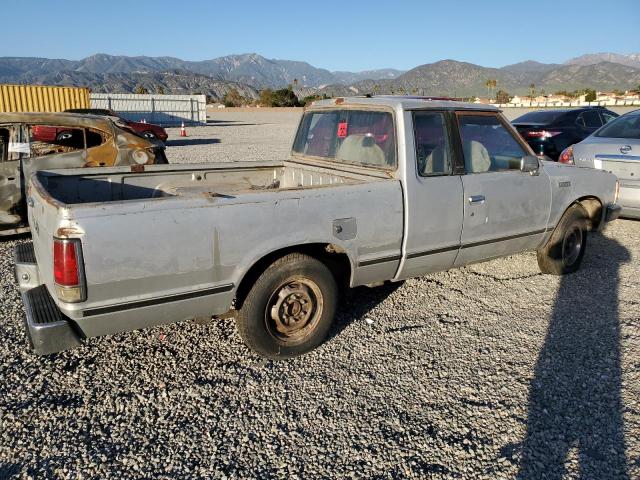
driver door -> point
(505, 210)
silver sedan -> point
(615, 148)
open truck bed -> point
(174, 242)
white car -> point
(615, 148)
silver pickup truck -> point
(376, 189)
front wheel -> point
(290, 308)
(564, 251)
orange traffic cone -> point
(183, 132)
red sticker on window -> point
(342, 129)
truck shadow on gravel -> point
(575, 399)
(356, 303)
(181, 142)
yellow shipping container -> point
(42, 98)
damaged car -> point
(35, 141)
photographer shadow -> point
(575, 397)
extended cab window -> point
(487, 145)
(433, 153)
(351, 136)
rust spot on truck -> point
(66, 232)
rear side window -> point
(487, 145)
(50, 139)
(589, 119)
(433, 152)
(627, 126)
(607, 117)
(349, 136)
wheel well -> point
(593, 207)
(331, 255)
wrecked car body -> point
(36, 141)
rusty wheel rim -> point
(572, 245)
(294, 310)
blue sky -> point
(337, 35)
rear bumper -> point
(630, 198)
(630, 212)
(48, 329)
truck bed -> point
(80, 186)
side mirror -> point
(530, 164)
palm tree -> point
(491, 86)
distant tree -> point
(311, 98)
(590, 95)
(279, 98)
(160, 90)
(233, 98)
(491, 86)
(503, 97)
(532, 90)
(141, 90)
(295, 82)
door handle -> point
(476, 199)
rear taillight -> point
(68, 270)
(566, 156)
(542, 133)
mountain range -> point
(248, 73)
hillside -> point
(461, 79)
(251, 72)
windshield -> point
(543, 116)
(349, 136)
(627, 126)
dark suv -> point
(549, 132)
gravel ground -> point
(490, 371)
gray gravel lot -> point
(490, 371)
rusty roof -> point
(62, 119)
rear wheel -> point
(564, 251)
(290, 308)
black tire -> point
(564, 251)
(290, 308)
